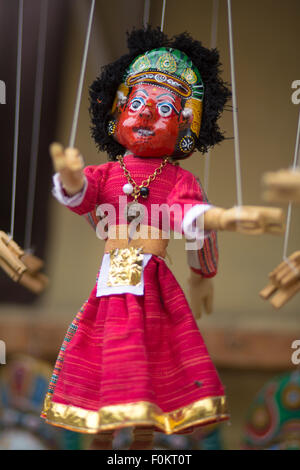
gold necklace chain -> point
(137, 188)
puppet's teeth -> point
(145, 132)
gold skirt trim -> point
(205, 411)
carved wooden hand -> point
(284, 281)
(282, 186)
(69, 164)
(20, 266)
(201, 294)
(253, 220)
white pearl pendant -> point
(127, 188)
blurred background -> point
(248, 340)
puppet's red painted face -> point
(148, 126)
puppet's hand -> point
(201, 294)
(284, 281)
(69, 164)
(282, 186)
(252, 220)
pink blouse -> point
(175, 198)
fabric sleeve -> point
(89, 197)
(201, 246)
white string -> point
(17, 117)
(146, 13)
(289, 212)
(80, 85)
(163, 15)
(287, 231)
(296, 156)
(214, 25)
(213, 44)
(206, 171)
(39, 78)
(235, 112)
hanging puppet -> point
(284, 186)
(20, 265)
(134, 356)
(284, 281)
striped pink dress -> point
(138, 360)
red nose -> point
(147, 111)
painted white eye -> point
(136, 104)
(165, 109)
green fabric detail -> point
(275, 413)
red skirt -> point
(132, 360)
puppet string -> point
(235, 111)
(163, 15)
(17, 118)
(289, 211)
(296, 156)
(292, 266)
(146, 13)
(39, 78)
(213, 43)
(82, 72)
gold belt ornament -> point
(126, 266)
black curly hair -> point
(104, 88)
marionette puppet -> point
(284, 186)
(284, 281)
(21, 265)
(133, 356)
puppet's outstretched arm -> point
(244, 219)
(252, 220)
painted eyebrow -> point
(142, 91)
(167, 94)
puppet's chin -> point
(147, 152)
(145, 147)
(145, 142)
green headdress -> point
(167, 67)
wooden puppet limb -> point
(281, 295)
(32, 278)
(282, 186)
(36, 283)
(201, 294)
(20, 266)
(287, 272)
(33, 263)
(284, 282)
(143, 438)
(10, 254)
(69, 164)
(244, 219)
(103, 441)
(252, 220)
